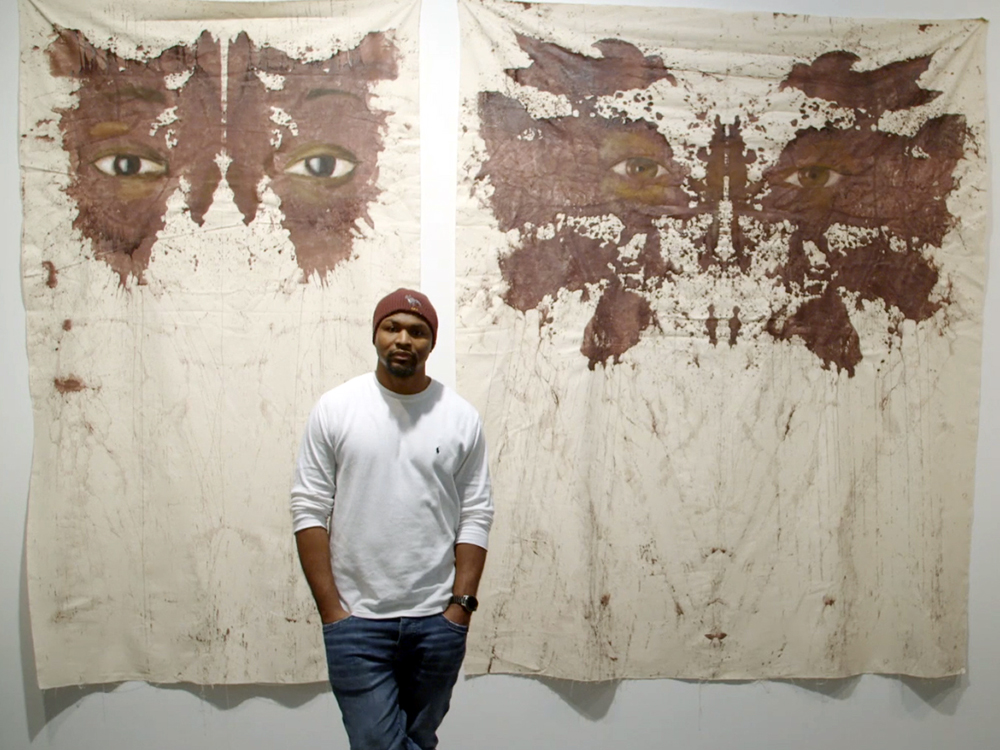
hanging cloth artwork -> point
(214, 196)
(720, 282)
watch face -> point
(470, 603)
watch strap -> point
(469, 603)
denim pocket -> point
(328, 626)
(463, 629)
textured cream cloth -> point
(719, 299)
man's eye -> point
(323, 166)
(129, 165)
(639, 168)
(815, 176)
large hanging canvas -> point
(214, 193)
(719, 297)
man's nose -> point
(403, 338)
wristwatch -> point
(467, 602)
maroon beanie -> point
(409, 301)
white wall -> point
(497, 711)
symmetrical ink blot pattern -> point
(553, 176)
(145, 128)
(719, 291)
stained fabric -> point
(719, 298)
(214, 195)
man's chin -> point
(401, 371)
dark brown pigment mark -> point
(67, 324)
(582, 167)
(605, 600)
(829, 601)
(712, 326)
(325, 170)
(71, 384)
(52, 275)
(140, 127)
(717, 637)
(552, 172)
(734, 326)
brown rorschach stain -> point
(52, 275)
(557, 172)
(70, 384)
(143, 129)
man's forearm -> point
(314, 554)
(470, 559)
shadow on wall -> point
(942, 694)
(592, 700)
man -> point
(391, 509)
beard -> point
(401, 369)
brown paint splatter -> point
(620, 317)
(829, 601)
(549, 175)
(891, 87)
(718, 636)
(583, 166)
(121, 174)
(605, 600)
(52, 275)
(71, 384)
(324, 168)
(712, 326)
(561, 71)
(141, 127)
(734, 326)
(67, 324)
(825, 328)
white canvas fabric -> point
(719, 299)
(215, 195)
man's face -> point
(403, 342)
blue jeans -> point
(393, 678)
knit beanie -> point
(409, 301)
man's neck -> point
(408, 386)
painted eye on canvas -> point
(639, 168)
(129, 165)
(326, 164)
(815, 176)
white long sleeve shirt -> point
(398, 480)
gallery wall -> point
(496, 711)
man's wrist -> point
(468, 602)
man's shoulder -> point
(347, 392)
(457, 404)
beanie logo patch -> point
(413, 302)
